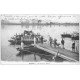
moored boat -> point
(73, 36)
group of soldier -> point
(40, 39)
(54, 42)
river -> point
(8, 52)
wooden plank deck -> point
(64, 53)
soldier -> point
(62, 42)
(73, 46)
(42, 39)
(50, 40)
(55, 42)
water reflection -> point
(38, 53)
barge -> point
(74, 36)
(26, 36)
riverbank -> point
(43, 24)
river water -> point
(8, 52)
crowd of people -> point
(53, 42)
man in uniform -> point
(62, 42)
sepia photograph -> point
(38, 38)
